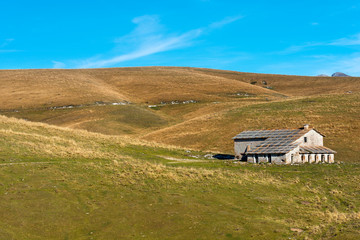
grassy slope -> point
(207, 125)
(291, 84)
(69, 184)
(23, 89)
(336, 116)
(112, 120)
(38, 88)
(32, 92)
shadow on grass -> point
(224, 156)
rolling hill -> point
(120, 153)
(60, 183)
(189, 107)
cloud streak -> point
(149, 37)
(58, 65)
(342, 42)
(5, 43)
(352, 41)
(297, 48)
(224, 22)
(347, 64)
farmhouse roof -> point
(316, 149)
(275, 141)
(280, 141)
(276, 134)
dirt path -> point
(23, 163)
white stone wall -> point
(326, 158)
(251, 159)
(240, 145)
(261, 158)
(313, 138)
(311, 158)
(304, 158)
(293, 156)
(286, 158)
(278, 159)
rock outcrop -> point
(339, 74)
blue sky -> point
(284, 37)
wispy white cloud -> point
(346, 64)
(58, 65)
(224, 22)
(351, 66)
(150, 37)
(297, 48)
(8, 50)
(314, 65)
(5, 43)
(342, 42)
(351, 41)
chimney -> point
(306, 126)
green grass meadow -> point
(57, 183)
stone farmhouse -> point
(282, 146)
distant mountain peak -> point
(322, 75)
(339, 74)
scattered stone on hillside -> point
(245, 94)
(323, 75)
(298, 230)
(208, 156)
(97, 103)
(178, 102)
(339, 74)
(264, 82)
(152, 106)
(119, 103)
(349, 92)
(64, 107)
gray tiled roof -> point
(275, 141)
(267, 149)
(277, 133)
(316, 149)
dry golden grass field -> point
(226, 102)
(83, 156)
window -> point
(305, 139)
